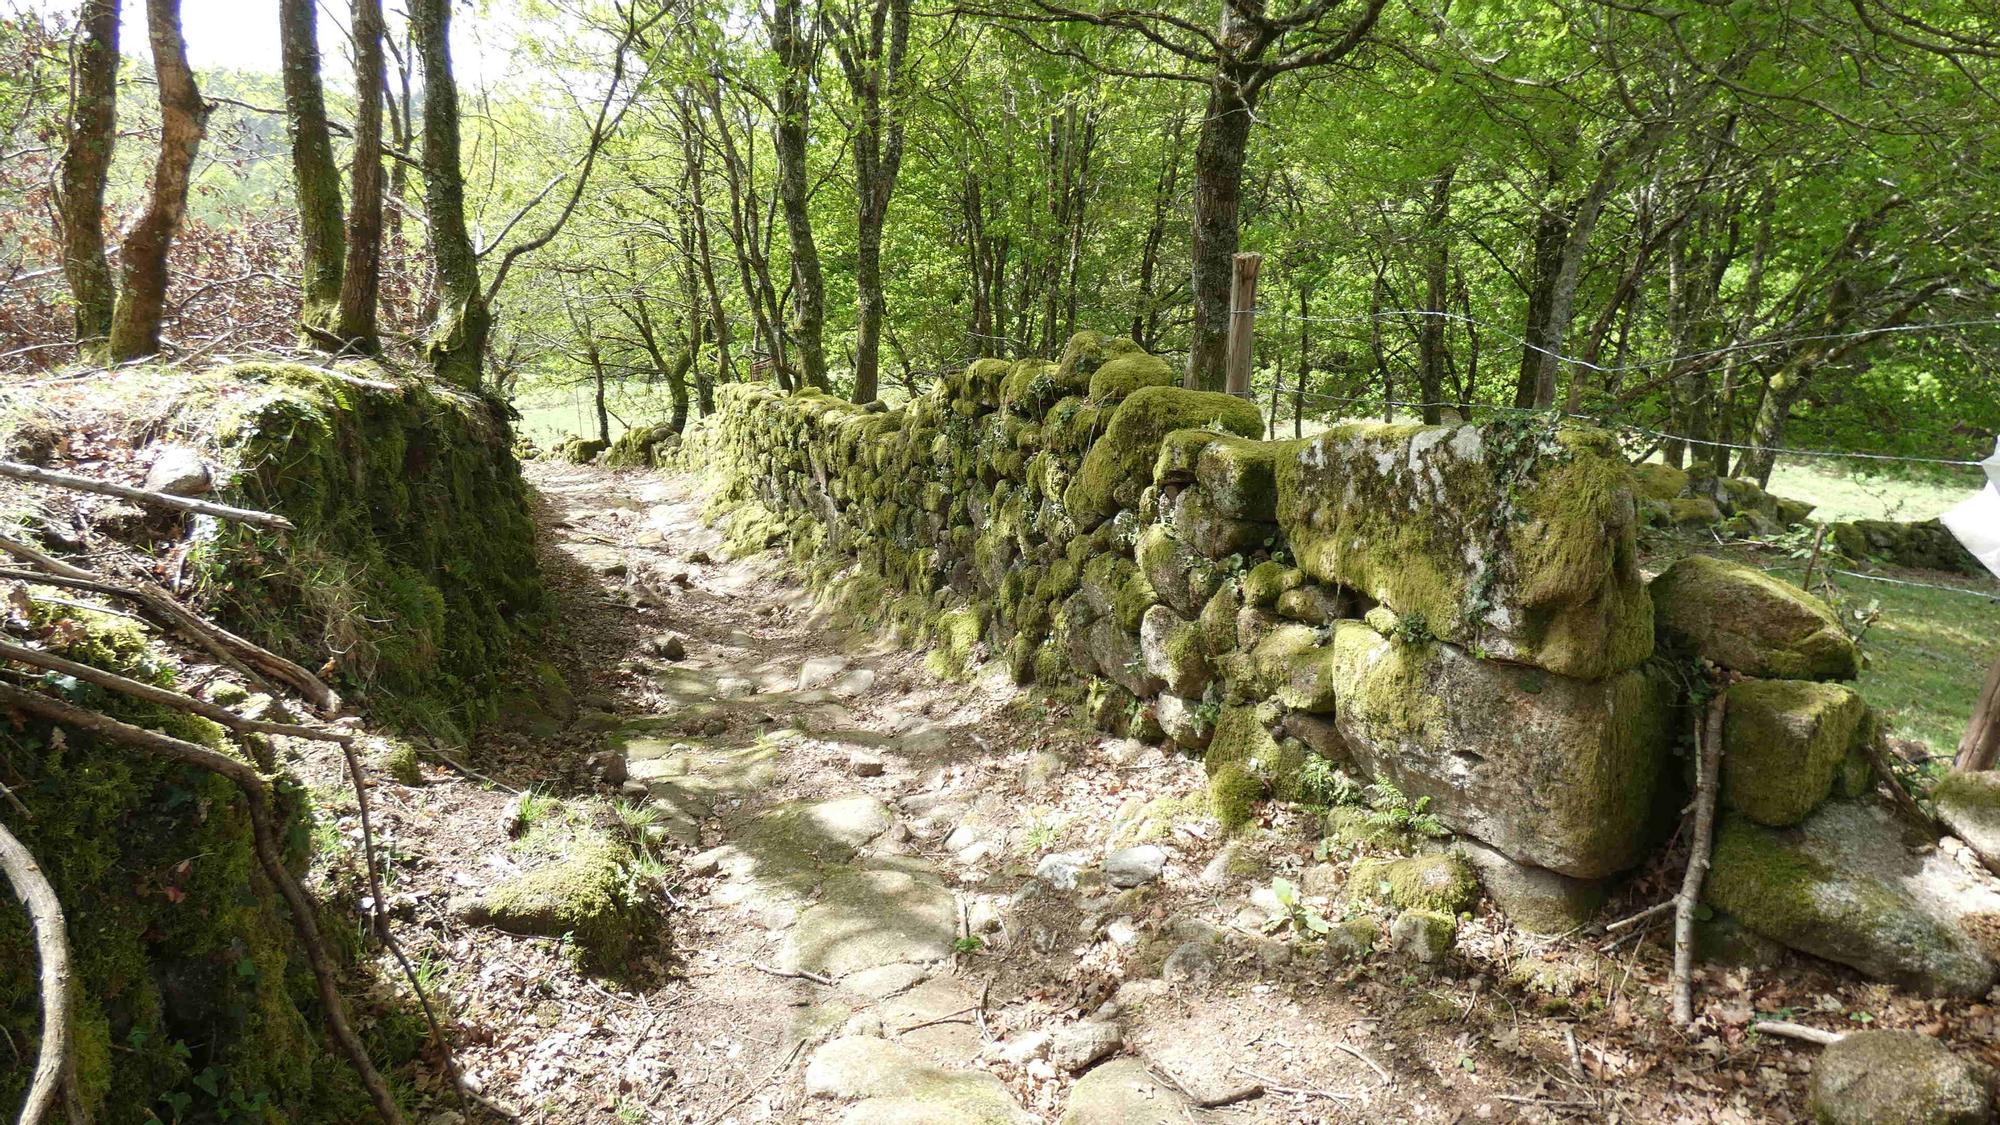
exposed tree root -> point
(52, 946)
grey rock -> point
(1129, 867)
(1898, 1078)
(178, 470)
(1192, 961)
(1124, 1092)
(1969, 804)
(667, 646)
(1060, 870)
(861, 763)
(901, 1086)
(1424, 936)
(1533, 898)
(1856, 884)
(868, 919)
(1182, 720)
(1072, 1049)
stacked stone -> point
(1455, 610)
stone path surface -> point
(904, 899)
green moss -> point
(1120, 463)
(1239, 476)
(1267, 580)
(1437, 881)
(583, 892)
(400, 761)
(1784, 742)
(1652, 480)
(955, 641)
(1128, 371)
(1694, 511)
(1233, 794)
(1510, 538)
(1746, 620)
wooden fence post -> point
(1242, 322)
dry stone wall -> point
(1456, 610)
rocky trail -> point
(896, 897)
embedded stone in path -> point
(868, 919)
(1124, 1092)
(896, 1084)
(1898, 1078)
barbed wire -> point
(1638, 365)
(1282, 388)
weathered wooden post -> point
(1242, 323)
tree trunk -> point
(142, 292)
(1219, 157)
(314, 174)
(1980, 748)
(1146, 318)
(874, 68)
(86, 164)
(361, 275)
(456, 341)
(796, 53)
(1437, 276)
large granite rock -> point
(1898, 1078)
(1969, 805)
(1512, 541)
(1747, 621)
(1857, 885)
(1554, 772)
(1784, 742)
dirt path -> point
(901, 898)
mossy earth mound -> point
(188, 989)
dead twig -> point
(1645, 915)
(1273, 1086)
(801, 974)
(1798, 1031)
(1708, 760)
(141, 690)
(1363, 1056)
(74, 483)
(45, 917)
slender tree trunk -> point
(86, 164)
(796, 52)
(1146, 318)
(314, 174)
(1437, 276)
(1219, 158)
(142, 292)
(456, 341)
(1980, 748)
(361, 276)
(873, 63)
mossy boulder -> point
(1693, 511)
(1898, 1078)
(1243, 747)
(1174, 652)
(1968, 802)
(1747, 621)
(1423, 936)
(1857, 885)
(1652, 480)
(1783, 743)
(1127, 370)
(1518, 541)
(642, 447)
(1120, 463)
(1435, 881)
(955, 641)
(1555, 772)
(1181, 578)
(579, 886)
(1268, 580)
(1239, 477)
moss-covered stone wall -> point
(1458, 609)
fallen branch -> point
(1798, 1031)
(256, 794)
(45, 916)
(245, 656)
(800, 974)
(1276, 1087)
(1645, 915)
(1363, 1056)
(1708, 761)
(141, 690)
(74, 483)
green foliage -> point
(1391, 810)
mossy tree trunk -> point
(361, 274)
(86, 164)
(314, 174)
(797, 48)
(455, 343)
(1437, 278)
(142, 291)
(1219, 156)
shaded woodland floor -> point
(856, 930)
